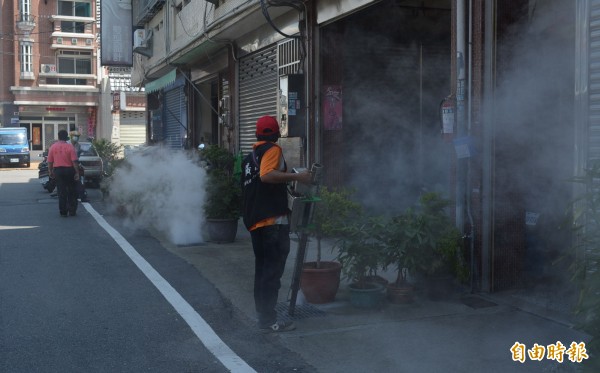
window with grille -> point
(289, 57)
(25, 8)
(26, 58)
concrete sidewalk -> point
(425, 336)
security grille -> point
(258, 92)
(289, 57)
(174, 112)
(594, 83)
(133, 128)
(592, 253)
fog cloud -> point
(162, 189)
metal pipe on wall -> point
(316, 98)
(309, 25)
(460, 109)
(487, 147)
(468, 188)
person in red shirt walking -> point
(63, 166)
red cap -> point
(266, 126)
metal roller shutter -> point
(133, 128)
(591, 111)
(258, 92)
(174, 114)
(594, 83)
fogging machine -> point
(301, 202)
(302, 197)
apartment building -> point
(50, 71)
(52, 77)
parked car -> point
(91, 162)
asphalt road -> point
(73, 300)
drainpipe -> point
(487, 146)
(308, 19)
(469, 188)
(460, 110)
(464, 70)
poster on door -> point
(332, 107)
(36, 137)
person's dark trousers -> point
(81, 193)
(67, 190)
(271, 246)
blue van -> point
(14, 146)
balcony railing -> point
(71, 25)
(67, 80)
(25, 22)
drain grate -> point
(302, 311)
(477, 302)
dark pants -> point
(271, 246)
(81, 193)
(67, 189)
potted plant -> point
(110, 153)
(584, 220)
(222, 207)
(360, 251)
(320, 279)
(421, 242)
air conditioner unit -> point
(88, 41)
(48, 68)
(142, 42)
(139, 38)
(59, 40)
(74, 41)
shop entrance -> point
(385, 71)
(51, 132)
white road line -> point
(202, 330)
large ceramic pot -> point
(222, 230)
(319, 285)
(369, 295)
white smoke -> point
(162, 189)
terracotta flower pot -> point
(319, 285)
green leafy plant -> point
(223, 190)
(585, 213)
(110, 154)
(360, 250)
(423, 240)
(334, 210)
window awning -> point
(161, 82)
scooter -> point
(48, 183)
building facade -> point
(490, 103)
(52, 78)
(50, 70)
